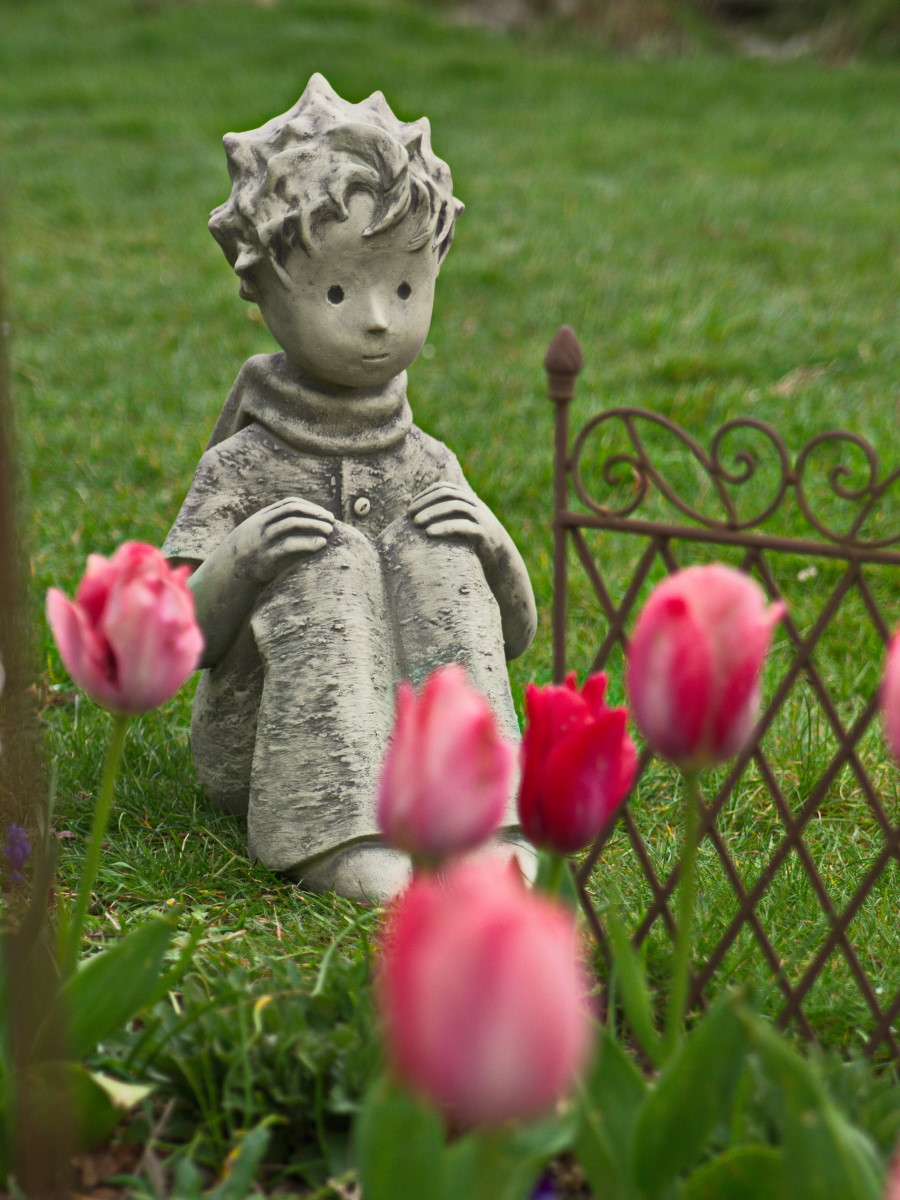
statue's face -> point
(355, 313)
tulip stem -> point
(95, 843)
(687, 888)
(550, 872)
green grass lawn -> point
(722, 234)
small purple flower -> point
(16, 851)
(545, 1188)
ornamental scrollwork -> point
(741, 480)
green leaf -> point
(826, 1155)
(741, 1173)
(609, 1102)
(188, 1181)
(632, 985)
(109, 989)
(399, 1144)
(692, 1094)
(242, 1163)
(503, 1164)
(70, 1089)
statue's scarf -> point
(270, 391)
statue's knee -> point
(409, 548)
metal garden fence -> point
(821, 522)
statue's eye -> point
(335, 294)
(404, 291)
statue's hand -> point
(272, 538)
(445, 510)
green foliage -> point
(110, 987)
(692, 1094)
(242, 1167)
(691, 1133)
(480, 1165)
(69, 1019)
(262, 1039)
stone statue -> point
(338, 549)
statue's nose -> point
(377, 317)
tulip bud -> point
(578, 763)
(447, 773)
(130, 639)
(890, 697)
(483, 996)
(694, 664)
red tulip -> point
(130, 639)
(482, 995)
(890, 697)
(447, 774)
(694, 664)
(578, 763)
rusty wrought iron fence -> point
(819, 527)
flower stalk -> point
(687, 893)
(95, 843)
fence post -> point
(562, 364)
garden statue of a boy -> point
(338, 549)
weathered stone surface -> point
(338, 548)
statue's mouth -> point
(374, 357)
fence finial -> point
(562, 363)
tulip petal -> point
(577, 764)
(143, 622)
(590, 772)
(669, 675)
(481, 992)
(890, 698)
(82, 652)
(694, 663)
(131, 637)
(447, 774)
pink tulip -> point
(130, 639)
(578, 763)
(694, 664)
(447, 774)
(893, 1179)
(483, 996)
(890, 696)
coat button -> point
(362, 505)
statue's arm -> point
(225, 585)
(448, 510)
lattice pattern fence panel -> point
(637, 496)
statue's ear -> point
(446, 240)
(281, 273)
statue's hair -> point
(300, 170)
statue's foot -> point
(510, 844)
(372, 873)
(367, 872)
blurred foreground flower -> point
(482, 996)
(578, 763)
(890, 697)
(130, 639)
(694, 664)
(447, 773)
(893, 1180)
(16, 852)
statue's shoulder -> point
(429, 446)
(263, 372)
(261, 377)
(434, 456)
